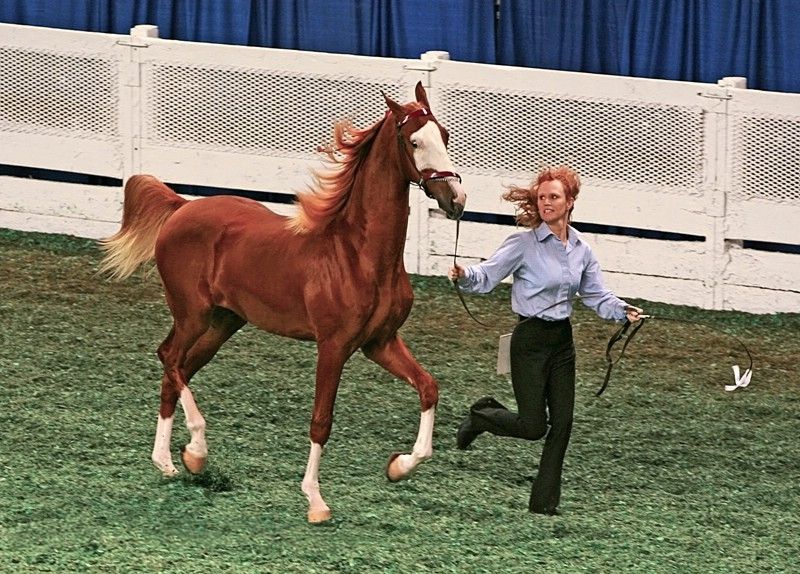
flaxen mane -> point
(320, 204)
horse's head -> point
(423, 153)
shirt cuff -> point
(466, 280)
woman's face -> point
(552, 201)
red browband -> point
(414, 114)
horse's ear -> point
(422, 97)
(397, 109)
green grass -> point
(666, 472)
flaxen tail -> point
(148, 205)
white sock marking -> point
(195, 423)
(161, 456)
(310, 484)
(423, 447)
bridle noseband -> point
(425, 176)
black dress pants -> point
(543, 377)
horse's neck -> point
(379, 205)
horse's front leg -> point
(330, 362)
(394, 356)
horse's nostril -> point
(457, 212)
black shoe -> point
(466, 433)
(547, 510)
(538, 506)
(486, 403)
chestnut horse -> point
(332, 273)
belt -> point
(523, 318)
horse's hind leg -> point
(179, 367)
(394, 356)
(224, 324)
(161, 456)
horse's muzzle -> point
(448, 193)
(459, 198)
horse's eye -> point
(414, 144)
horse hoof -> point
(393, 471)
(194, 464)
(169, 473)
(319, 516)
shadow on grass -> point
(211, 479)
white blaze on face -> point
(431, 153)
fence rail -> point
(704, 174)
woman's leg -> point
(529, 360)
(560, 394)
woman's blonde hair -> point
(525, 197)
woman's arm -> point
(485, 276)
(597, 297)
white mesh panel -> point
(59, 94)
(766, 157)
(254, 111)
(624, 143)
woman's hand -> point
(455, 273)
(634, 313)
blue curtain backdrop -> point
(691, 40)
(694, 40)
(391, 28)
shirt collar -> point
(543, 232)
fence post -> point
(419, 203)
(717, 209)
(131, 97)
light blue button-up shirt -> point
(545, 272)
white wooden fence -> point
(713, 168)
